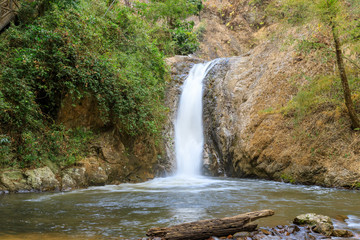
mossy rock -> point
(320, 223)
(14, 181)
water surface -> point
(128, 210)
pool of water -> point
(129, 210)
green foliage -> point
(323, 20)
(63, 49)
(30, 10)
(60, 146)
(185, 40)
(58, 56)
(198, 6)
(167, 10)
(291, 11)
(5, 149)
(200, 31)
(327, 10)
(176, 35)
(306, 46)
(66, 147)
(326, 89)
(320, 90)
(56, 144)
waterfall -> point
(189, 136)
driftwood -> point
(207, 228)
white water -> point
(189, 137)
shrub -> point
(69, 48)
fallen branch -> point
(214, 227)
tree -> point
(329, 12)
(169, 10)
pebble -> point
(282, 232)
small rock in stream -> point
(341, 218)
(342, 233)
(320, 223)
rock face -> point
(247, 134)
(245, 137)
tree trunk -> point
(355, 122)
(207, 228)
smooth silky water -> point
(129, 210)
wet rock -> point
(320, 223)
(293, 229)
(341, 218)
(341, 233)
(324, 228)
(311, 219)
(94, 172)
(281, 232)
(157, 238)
(42, 179)
(14, 181)
(67, 183)
(242, 235)
(73, 178)
(3, 189)
(266, 232)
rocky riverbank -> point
(110, 160)
(308, 226)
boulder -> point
(342, 233)
(67, 183)
(73, 178)
(42, 179)
(320, 223)
(14, 181)
(94, 172)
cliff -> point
(252, 126)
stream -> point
(129, 210)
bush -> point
(186, 41)
(176, 35)
(72, 49)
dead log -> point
(213, 227)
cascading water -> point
(189, 137)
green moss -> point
(287, 178)
(356, 185)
